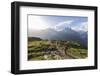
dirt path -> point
(64, 56)
(69, 57)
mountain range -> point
(67, 34)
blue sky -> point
(40, 22)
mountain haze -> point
(67, 34)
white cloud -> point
(64, 22)
(81, 27)
(61, 25)
(36, 23)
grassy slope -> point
(54, 50)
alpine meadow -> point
(52, 37)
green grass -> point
(38, 49)
(78, 53)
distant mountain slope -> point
(33, 38)
(65, 34)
